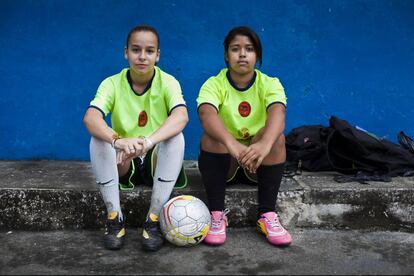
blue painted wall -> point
(353, 59)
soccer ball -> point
(185, 220)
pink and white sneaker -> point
(269, 225)
(217, 233)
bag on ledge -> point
(348, 150)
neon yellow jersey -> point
(134, 115)
(243, 112)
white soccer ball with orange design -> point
(185, 220)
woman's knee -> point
(277, 153)
(100, 148)
(281, 142)
(211, 145)
(175, 143)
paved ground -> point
(245, 252)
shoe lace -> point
(216, 224)
(113, 226)
(152, 227)
(274, 222)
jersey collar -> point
(146, 87)
(235, 86)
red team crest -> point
(244, 109)
(142, 119)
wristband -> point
(149, 143)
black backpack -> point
(306, 148)
(348, 150)
(351, 150)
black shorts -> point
(141, 172)
(238, 174)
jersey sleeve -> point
(275, 93)
(209, 94)
(174, 96)
(104, 98)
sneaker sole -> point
(151, 248)
(213, 243)
(284, 244)
(113, 243)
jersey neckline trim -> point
(238, 88)
(128, 74)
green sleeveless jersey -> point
(243, 111)
(134, 115)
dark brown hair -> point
(245, 31)
(144, 28)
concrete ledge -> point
(50, 195)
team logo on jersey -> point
(244, 109)
(142, 119)
(245, 133)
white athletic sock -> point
(170, 157)
(103, 160)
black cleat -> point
(114, 232)
(152, 239)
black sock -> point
(269, 178)
(214, 168)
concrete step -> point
(52, 195)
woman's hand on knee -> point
(253, 156)
(236, 149)
(130, 146)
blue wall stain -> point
(353, 59)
